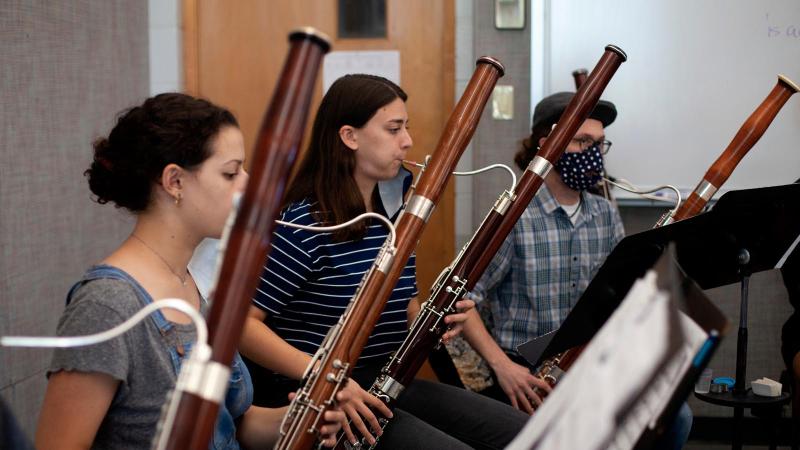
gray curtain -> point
(66, 69)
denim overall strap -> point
(110, 272)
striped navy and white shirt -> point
(309, 280)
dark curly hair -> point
(165, 129)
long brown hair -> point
(326, 172)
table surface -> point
(747, 399)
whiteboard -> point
(695, 71)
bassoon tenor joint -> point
(704, 190)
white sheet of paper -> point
(615, 365)
(663, 385)
(385, 63)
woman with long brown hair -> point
(359, 139)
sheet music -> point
(657, 396)
(615, 367)
(788, 253)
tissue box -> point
(766, 387)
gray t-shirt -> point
(142, 359)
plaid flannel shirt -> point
(544, 265)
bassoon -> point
(465, 270)
(601, 188)
(580, 76)
(198, 399)
(750, 132)
(341, 348)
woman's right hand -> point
(359, 408)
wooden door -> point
(234, 50)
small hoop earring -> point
(178, 199)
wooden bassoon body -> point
(462, 274)
(202, 389)
(747, 136)
(342, 347)
(750, 132)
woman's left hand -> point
(455, 321)
(333, 424)
(332, 419)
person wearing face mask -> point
(548, 259)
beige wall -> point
(496, 141)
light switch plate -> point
(503, 102)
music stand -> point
(763, 221)
(748, 231)
(612, 397)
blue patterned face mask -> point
(580, 171)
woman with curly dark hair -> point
(175, 163)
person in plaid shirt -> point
(548, 259)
